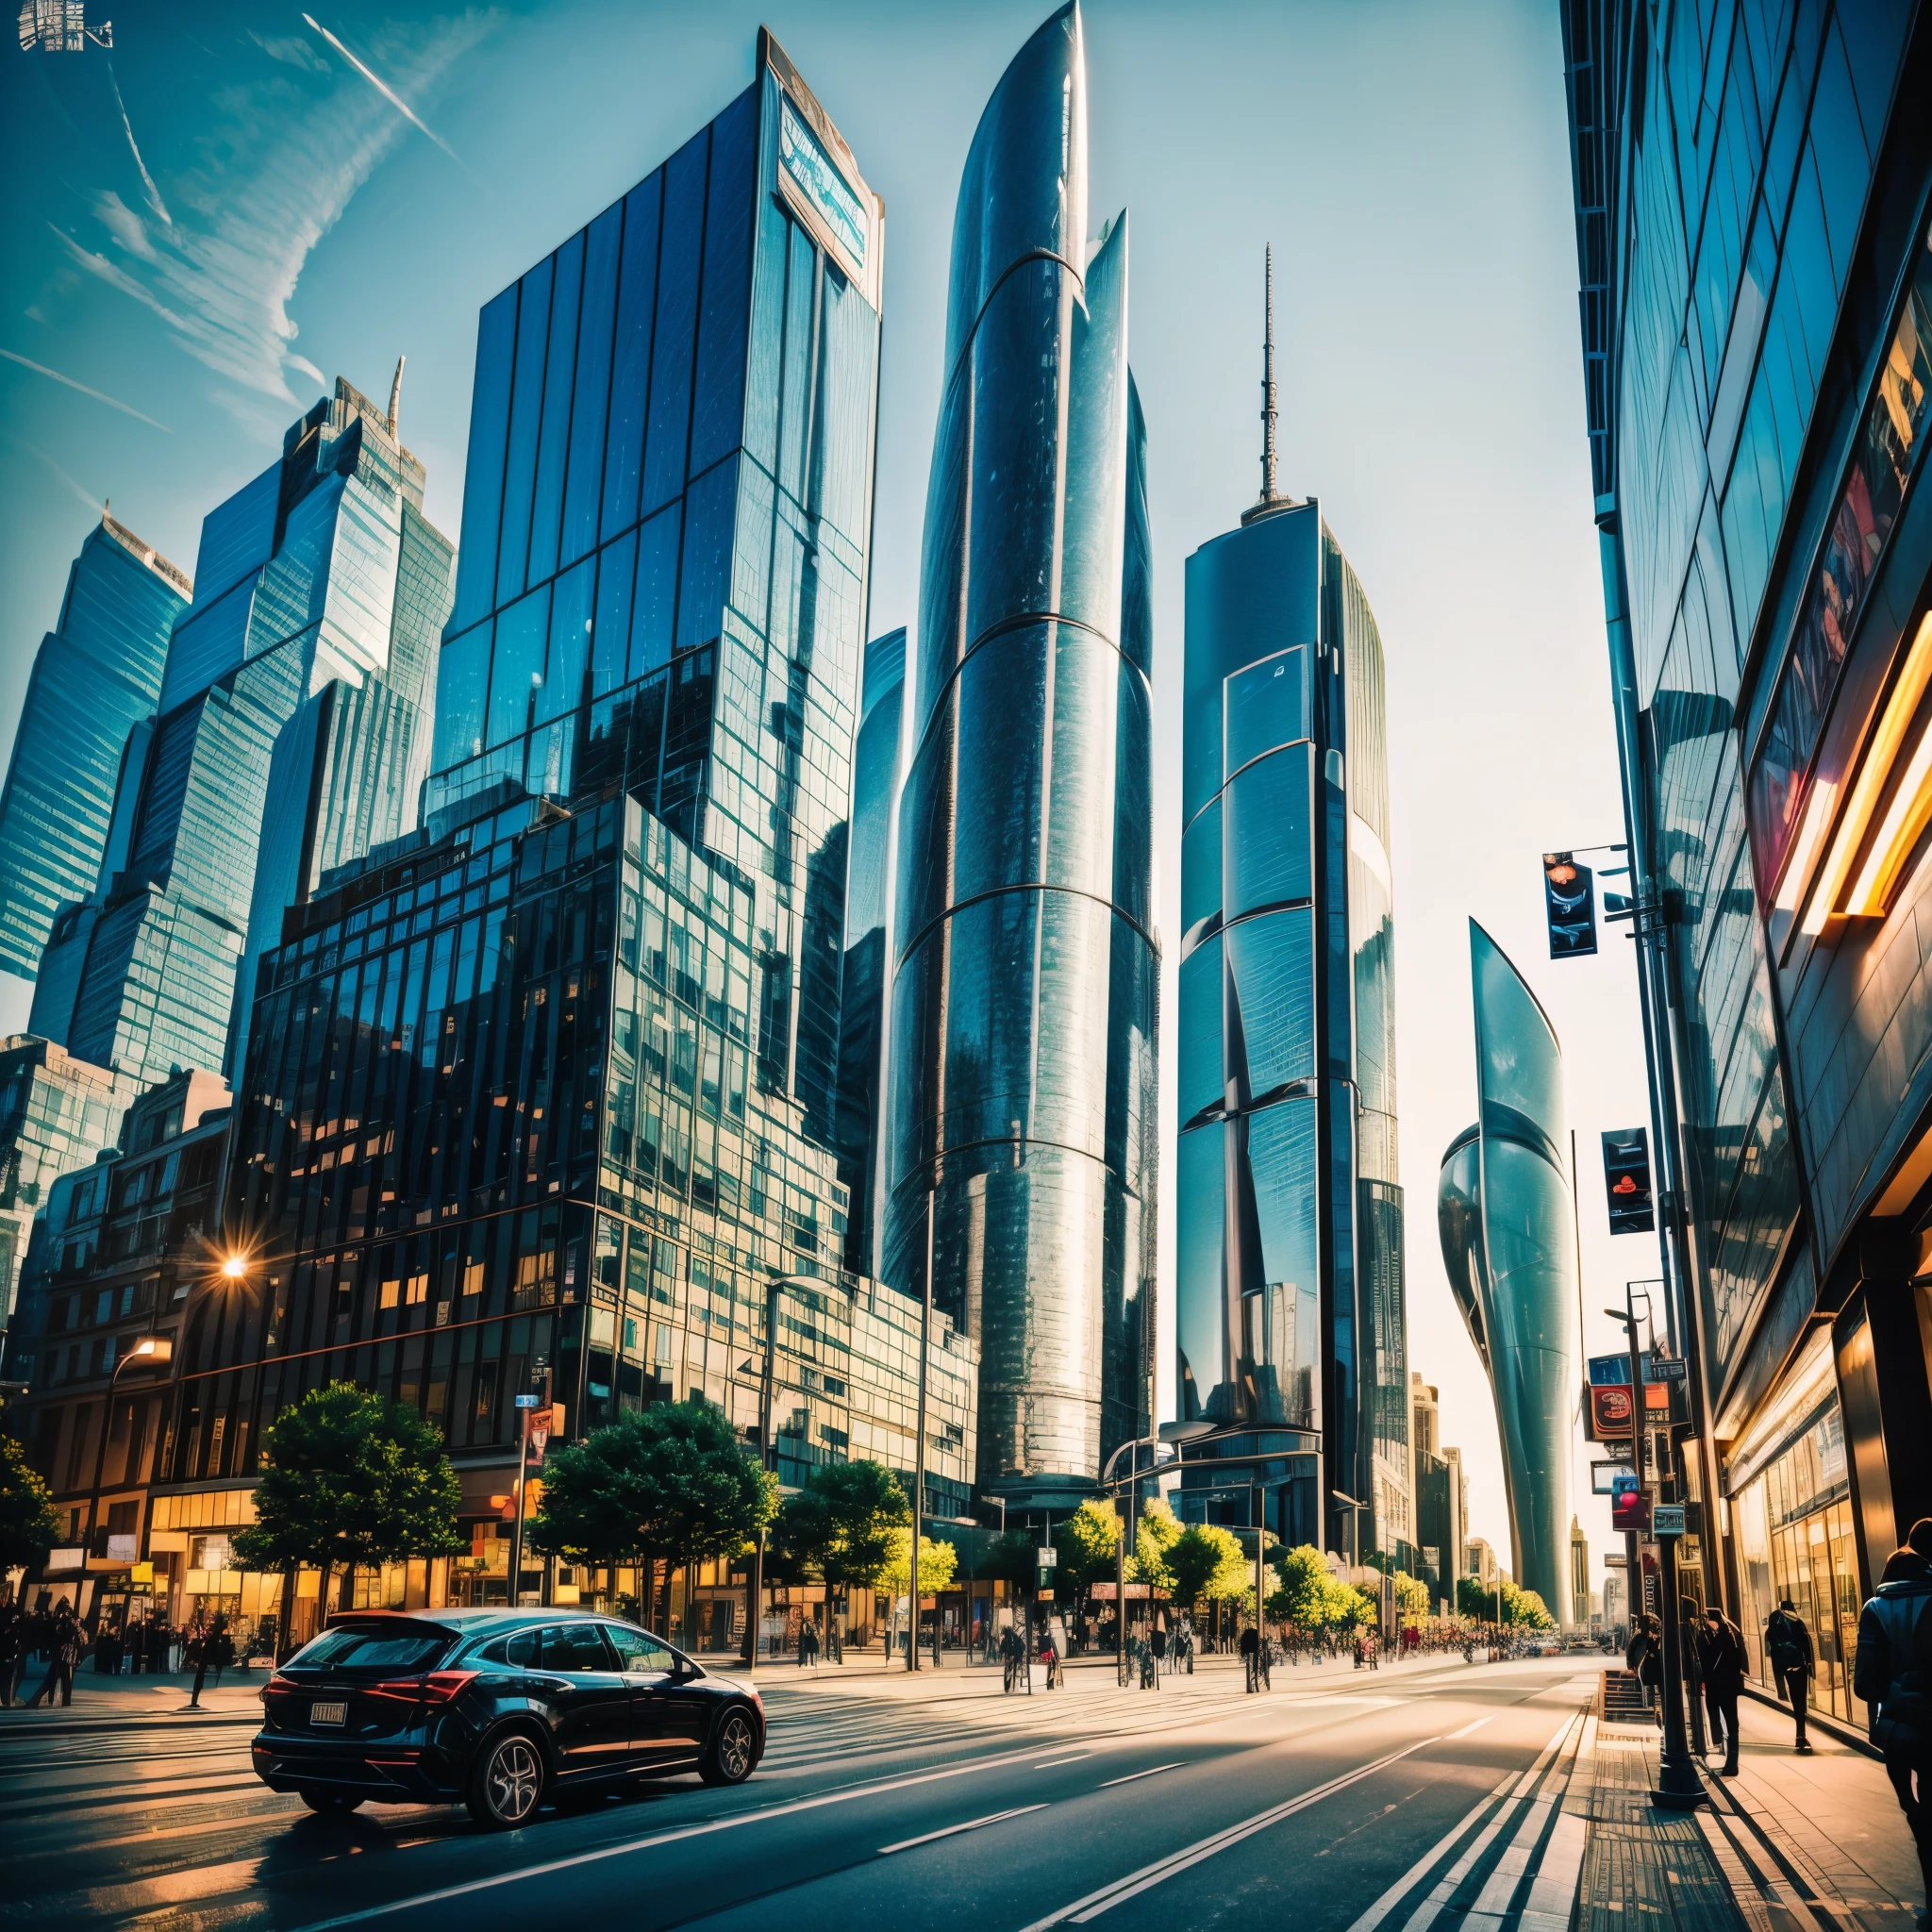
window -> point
(576, 1647)
(384, 1647)
(637, 1652)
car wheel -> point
(328, 1804)
(507, 1784)
(732, 1752)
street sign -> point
(1049, 1555)
(1668, 1368)
(529, 1401)
(1619, 1562)
(1630, 1509)
(1667, 1519)
(1607, 1478)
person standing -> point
(13, 1651)
(1251, 1658)
(1788, 1643)
(1721, 1665)
(1893, 1675)
(64, 1642)
(216, 1654)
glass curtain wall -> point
(1024, 969)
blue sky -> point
(208, 224)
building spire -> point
(1268, 491)
(395, 394)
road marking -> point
(1396, 1893)
(1074, 1760)
(1493, 1900)
(1467, 1728)
(1148, 1772)
(906, 1844)
(1083, 1909)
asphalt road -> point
(1435, 1791)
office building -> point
(292, 735)
(1024, 969)
(96, 677)
(1289, 1321)
(1579, 1577)
(1509, 1248)
(1755, 246)
(1442, 1512)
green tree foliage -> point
(1207, 1565)
(1411, 1598)
(936, 1563)
(1088, 1545)
(1155, 1535)
(1312, 1597)
(673, 1479)
(29, 1528)
(349, 1478)
(842, 1526)
(1516, 1605)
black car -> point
(494, 1709)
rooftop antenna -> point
(395, 394)
(1270, 498)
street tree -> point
(1312, 1597)
(1088, 1542)
(843, 1526)
(348, 1479)
(938, 1564)
(686, 1490)
(1207, 1565)
(1155, 1535)
(29, 1528)
(1411, 1598)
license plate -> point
(329, 1713)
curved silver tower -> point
(1025, 968)
(1509, 1245)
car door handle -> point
(555, 1685)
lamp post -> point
(1171, 1433)
(153, 1350)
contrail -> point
(388, 92)
(154, 194)
(113, 401)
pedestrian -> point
(215, 1653)
(13, 1651)
(1720, 1670)
(63, 1643)
(1893, 1675)
(1009, 1656)
(1251, 1656)
(1788, 1643)
(1157, 1644)
(1689, 1642)
(1640, 1658)
(808, 1645)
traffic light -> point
(1569, 906)
(1626, 1181)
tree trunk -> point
(664, 1614)
(321, 1598)
(285, 1624)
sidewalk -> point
(1791, 1844)
(121, 1700)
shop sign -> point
(1667, 1519)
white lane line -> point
(1547, 1908)
(1081, 1911)
(1148, 1772)
(906, 1844)
(1493, 1903)
(1074, 1760)
(1467, 1728)
(1423, 1866)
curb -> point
(1833, 1727)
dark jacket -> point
(1640, 1655)
(1894, 1670)
(1789, 1644)
(1720, 1656)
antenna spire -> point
(1268, 491)
(395, 394)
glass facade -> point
(1023, 971)
(1509, 1235)
(1754, 208)
(294, 734)
(96, 677)
(1290, 1322)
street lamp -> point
(153, 1350)
(1169, 1433)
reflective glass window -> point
(630, 354)
(517, 667)
(1266, 831)
(1201, 1082)
(710, 515)
(463, 686)
(718, 407)
(989, 1016)
(1272, 965)
(1267, 706)
(795, 414)
(610, 638)
(525, 419)
(765, 355)
(1201, 869)
(496, 338)
(570, 642)
(656, 603)
(1281, 1159)
(588, 411)
(553, 451)
(677, 300)
(1200, 1239)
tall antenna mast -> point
(395, 394)
(1268, 491)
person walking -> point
(1788, 1643)
(13, 1651)
(1251, 1656)
(808, 1645)
(1010, 1658)
(216, 1653)
(1721, 1668)
(1689, 1648)
(1893, 1675)
(63, 1643)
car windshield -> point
(376, 1647)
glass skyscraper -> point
(1290, 1318)
(96, 677)
(292, 735)
(1754, 227)
(1509, 1246)
(1023, 973)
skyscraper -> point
(1509, 1246)
(1290, 1321)
(96, 679)
(1754, 247)
(1023, 975)
(292, 736)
